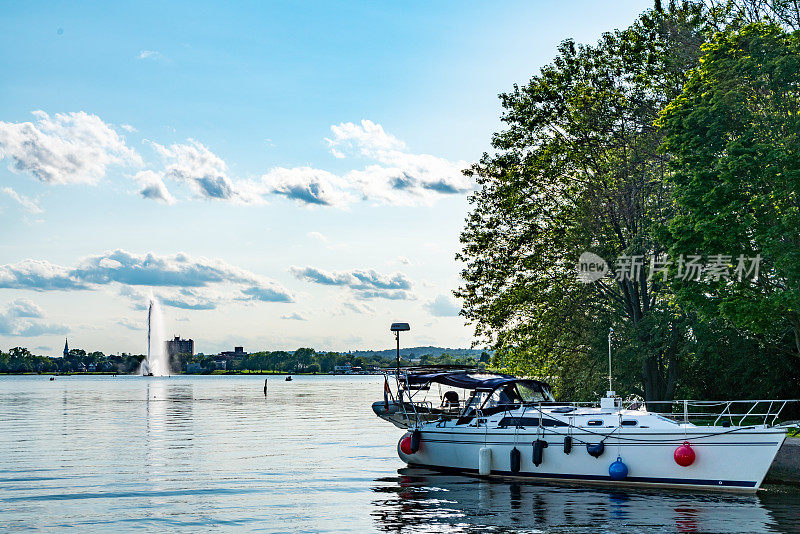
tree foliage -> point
(584, 165)
(735, 137)
(578, 169)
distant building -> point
(179, 346)
(345, 369)
(237, 352)
(66, 348)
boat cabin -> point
(436, 393)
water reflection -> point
(421, 500)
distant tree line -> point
(302, 360)
(307, 360)
(20, 360)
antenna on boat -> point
(397, 328)
(610, 331)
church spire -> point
(66, 348)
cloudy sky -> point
(278, 174)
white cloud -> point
(318, 236)
(293, 317)
(368, 138)
(443, 306)
(205, 172)
(396, 175)
(23, 307)
(153, 187)
(68, 148)
(399, 176)
(149, 54)
(22, 200)
(38, 275)
(403, 260)
(365, 284)
(21, 317)
(307, 186)
(189, 283)
(78, 147)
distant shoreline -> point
(214, 373)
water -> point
(192, 453)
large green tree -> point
(578, 169)
(734, 134)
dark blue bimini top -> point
(465, 379)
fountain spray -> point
(157, 362)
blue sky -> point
(279, 174)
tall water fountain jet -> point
(157, 362)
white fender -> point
(485, 461)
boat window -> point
(530, 391)
(450, 399)
(474, 402)
(503, 397)
(529, 421)
(629, 422)
(595, 422)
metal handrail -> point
(767, 410)
(728, 409)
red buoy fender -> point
(684, 455)
(405, 444)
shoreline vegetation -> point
(216, 372)
(303, 361)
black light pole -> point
(397, 328)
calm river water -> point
(195, 453)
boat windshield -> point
(530, 392)
(515, 394)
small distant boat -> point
(289, 378)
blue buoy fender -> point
(567, 444)
(618, 470)
(516, 459)
(538, 451)
(416, 436)
(595, 450)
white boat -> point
(498, 425)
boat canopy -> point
(465, 379)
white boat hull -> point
(726, 458)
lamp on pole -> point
(397, 328)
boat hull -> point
(730, 459)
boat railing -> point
(726, 413)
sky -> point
(277, 174)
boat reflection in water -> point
(423, 500)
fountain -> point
(157, 362)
